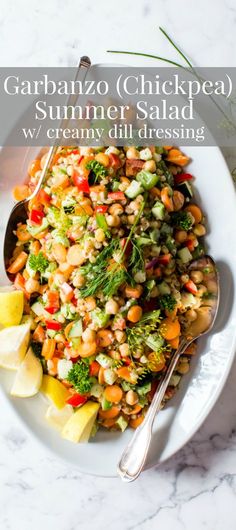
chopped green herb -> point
(98, 169)
(79, 376)
(167, 301)
(38, 263)
(182, 220)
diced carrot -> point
(110, 413)
(21, 192)
(195, 211)
(134, 423)
(176, 157)
(113, 393)
(19, 283)
(48, 349)
(134, 410)
(125, 373)
(170, 329)
(156, 363)
(167, 199)
(67, 329)
(133, 292)
(86, 349)
(22, 233)
(134, 314)
(18, 263)
(101, 378)
(110, 422)
(97, 189)
(39, 334)
(35, 247)
(174, 343)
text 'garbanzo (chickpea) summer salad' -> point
(102, 265)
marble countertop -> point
(196, 488)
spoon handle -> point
(81, 73)
(134, 456)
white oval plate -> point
(200, 389)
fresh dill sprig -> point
(138, 334)
(101, 276)
(136, 262)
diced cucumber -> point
(109, 376)
(158, 210)
(106, 405)
(104, 360)
(60, 237)
(166, 230)
(164, 288)
(147, 180)
(134, 189)
(185, 255)
(35, 230)
(38, 309)
(122, 423)
(154, 341)
(187, 300)
(99, 317)
(96, 390)
(155, 235)
(144, 241)
(144, 389)
(76, 330)
(174, 380)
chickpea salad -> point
(102, 263)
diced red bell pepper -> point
(182, 177)
(94, 368)
(53, 302)
(43, 197)
(190, 244)
(191, 287)
(36, 217)
(115, 161)
(101, 208)
(52, 324)
(81, 182)
(165, 259)
(116, 195)
(76, 399)
(127, 361)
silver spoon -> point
(134, 456)
(19, 211)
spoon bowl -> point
(134, 456)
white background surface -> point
(196, 488)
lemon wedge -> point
(29, 376)
(57, 418)
(55, 391)
(79, 426)
(11, 306)
(13, 345)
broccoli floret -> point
(79, 376)
(182, 220)
(167, 301)
(38, 263)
